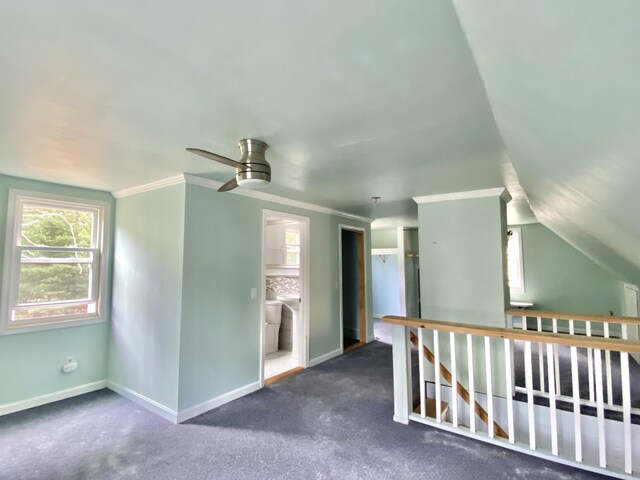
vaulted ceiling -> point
(356, 99)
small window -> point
(54, 264)
(515, 261)
(292, 244)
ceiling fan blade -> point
(216, 157)
(230, 185)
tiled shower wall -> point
(278, 284)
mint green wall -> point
(462, 261)
(147, 294)
(30, 363)
(463, 275)
(220, 332)
(386, 285)
(384, 238)
(560, 278)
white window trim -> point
(520, 263)
(11, 267)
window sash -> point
(516, 262)
(96, 230)
(94, 275)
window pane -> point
(292, 237)
(293, 255)
(56, 227)
(514, 262)
(54, 276)
(52, 311)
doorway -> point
(284, 320)
(353, 314)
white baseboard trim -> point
(323, 358)
(51, 397)
(216, 402)
(152, 405)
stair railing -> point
(594, 443)
(626, 328)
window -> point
(292, 244)
(54, 264)
(514, 261)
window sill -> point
(51, 325)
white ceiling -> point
(356, 99)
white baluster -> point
(552, 401)
(557, 357)
(509, 383)
(607, 360)
(600, 409)
(572, 329)
(541, 358)
(625, 331)
(436, 354)
(576, 403)
(472, 388)
(423, 393)
(487, 357)
(524, 322)
(528, 374)
(626, 410)
(592, 395)
(454, 380)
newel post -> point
(402, 387)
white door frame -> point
(305, 223)
(352, 228)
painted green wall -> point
(463, 275)
(386, 285)
(147, 294)
(559, 278)
(462, 261)
(30, 363)
(384, 238)
(220, 331)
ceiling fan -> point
(252, 170)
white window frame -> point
(12, 260)
(520, 265)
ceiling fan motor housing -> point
(257, 171)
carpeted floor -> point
(330, 421)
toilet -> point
(273, 318)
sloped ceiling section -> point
(562, 79)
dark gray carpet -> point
(331, 421)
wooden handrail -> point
(573, 316)
(464, 394)
(526, 335)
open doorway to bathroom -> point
(353, 316)
(285, 305)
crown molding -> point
(147, 187)
(501, 192)
(269, 197)
(257, 194)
